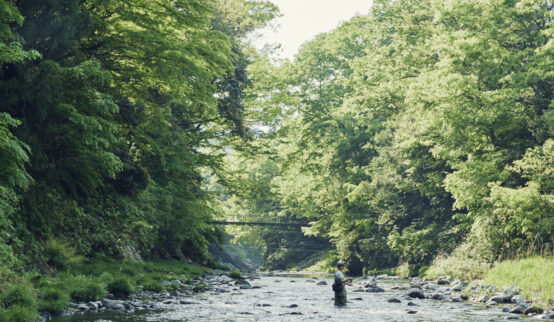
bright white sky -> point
(303, 19)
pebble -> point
(393, 300)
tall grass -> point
(535, 277)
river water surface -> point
(298, 298)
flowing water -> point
(298, 298)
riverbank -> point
(280, 296)
(26, 297)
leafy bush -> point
(120, 287)
(154, 286)
(53, 300)
(18, 295)
(60, 254)
(18, 313)
(235, 274)
(465, 268)
(86, 289)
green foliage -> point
(112, 118)
(18, 295)
(120, 286)
(59, 254)
(84, 288)
(533, 275)
(53, 300)
(420, 130)
(235, 274)
(18, 313)
(152, 285)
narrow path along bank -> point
(278, 297)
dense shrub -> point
(86, 289)
(53, 300)
(18, 313)
(235, 274)
(152, 285)
(18, 295)
(60, 254)
(120, 287)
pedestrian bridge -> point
(258, 223)
(243, 220)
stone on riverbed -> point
(519, 309)
(500, 298)
(517, 299)
(444, 280)
(437, 296)
(548, 315)
(416, 293)
(375, 289)
(457, 299)
(321, 283)
(533, 310)
(393, 300)
(410, 311)
(412, 304)
(243, 284)
(483, 299)
(114, 304)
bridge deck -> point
(255, 223)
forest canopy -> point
(421, 130)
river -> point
(288, 297)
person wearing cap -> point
(338, 286)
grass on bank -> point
(534, 276)
(20, 300)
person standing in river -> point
(338, 285)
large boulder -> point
(416, 293)
(520, 308)
(243, 284)
(114, 304)
(375, 289)
(500, 298)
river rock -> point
(517, 299)
(169, 302)
(512, 290)
(512, 318)
(500, 298)
(292, 306)
(95, 305)
(243, 284)
(410, 311)
(358, 290)
(444, 280)
(400, 287)
(82, 307)
(177, 283)
(357, 299)
(412, 304)
(483, 299)
(491, 303)
(114, 304)
(548, 315)
(416, 293)
(457, 299)
(375, 289)
(533, 310)
(321, 283)
(520, 308)
(437, 296)
(393, 300)
(505, 309)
